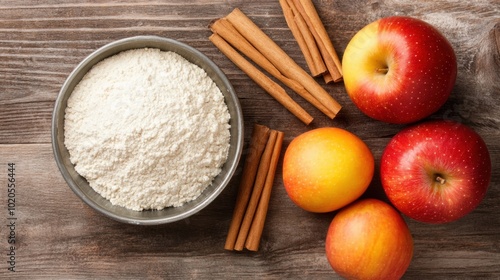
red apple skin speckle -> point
(421, 63)
(414, 157)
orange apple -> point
(369, 240)
(326, 168)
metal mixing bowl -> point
(150, 217)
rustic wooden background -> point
(58, 236)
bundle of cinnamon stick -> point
(236, 33)
(254, 192)
(313, 40)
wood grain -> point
(59, 237)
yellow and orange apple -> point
(369, 240)
(399, 69)
(326, 168)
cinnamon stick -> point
(327, 77)
(303, 38)
(258, 186)
(309, 37)
(311, 45)
(254, 236)
(258, 141)
(311, 17)
(261, 79)
(279, 58)
(224, 29)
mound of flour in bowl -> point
(147, 129)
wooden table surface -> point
(59, 237)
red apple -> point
(399, 69)
(369, 240)
(436, 171)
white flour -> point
(147, 129)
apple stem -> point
(383, 70)
(440, 180)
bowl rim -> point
(115, 47)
